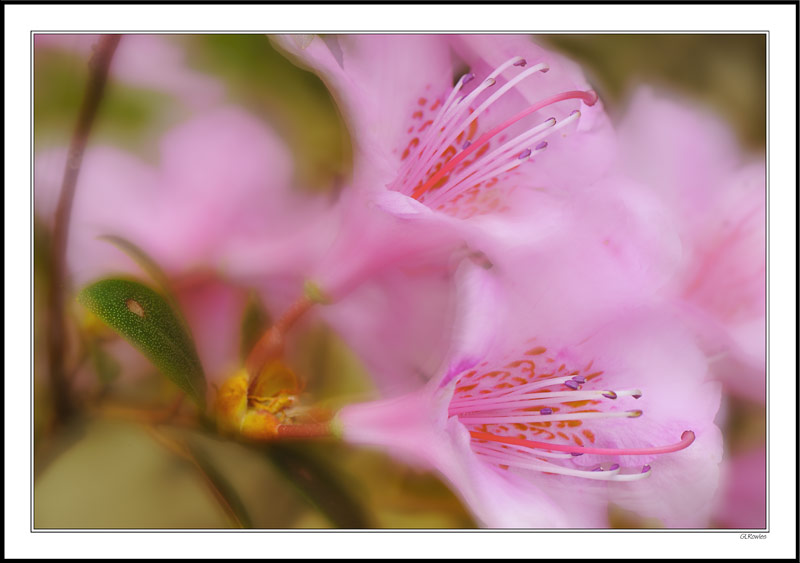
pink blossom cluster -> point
(550, 303)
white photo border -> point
(778, 20)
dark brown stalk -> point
(56, 324)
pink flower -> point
(149, 61)
(568, 388)
(717, 201)
(439, 169)
(432, 154)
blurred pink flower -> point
(567, 384)
(716, 200)
(148, 61)
(222, 183)
(223, 180)
(743, 494)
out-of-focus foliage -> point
(129, 117)
(294, 101)
(725, 72)
(110, 474)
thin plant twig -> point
(270, 345)
(56, 333)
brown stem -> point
(270, 345)
(56, 332)
(168, 416)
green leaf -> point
(146, 320)
(150, 266)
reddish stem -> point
(270, 345)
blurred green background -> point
(102, 473)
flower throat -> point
(534, 412)
(437, 173)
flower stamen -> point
(579, 415)
(687, 437)
(520, 418)
(589, 98)
(458, 406)
(429, 174)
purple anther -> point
(645, 468)
(597, 469)
(614, 467)
(466, 78)
(546, 410)
(609, 394)
(540, 146)
(573, 112)
(579, 379)
(575, 454)
(521, 62)
(571, 384)
(525, 154)
(637, 395)
(466, 144)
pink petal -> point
(655, 354)
(679, 150)
(377, 81)
(214, 311)
(588, 151)
(688, 158)
(743, 504)
(223, 181)
(398, 325)
(369, 240)
(413, 429)
(480, 312)
(228, 176)
(116, 194)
